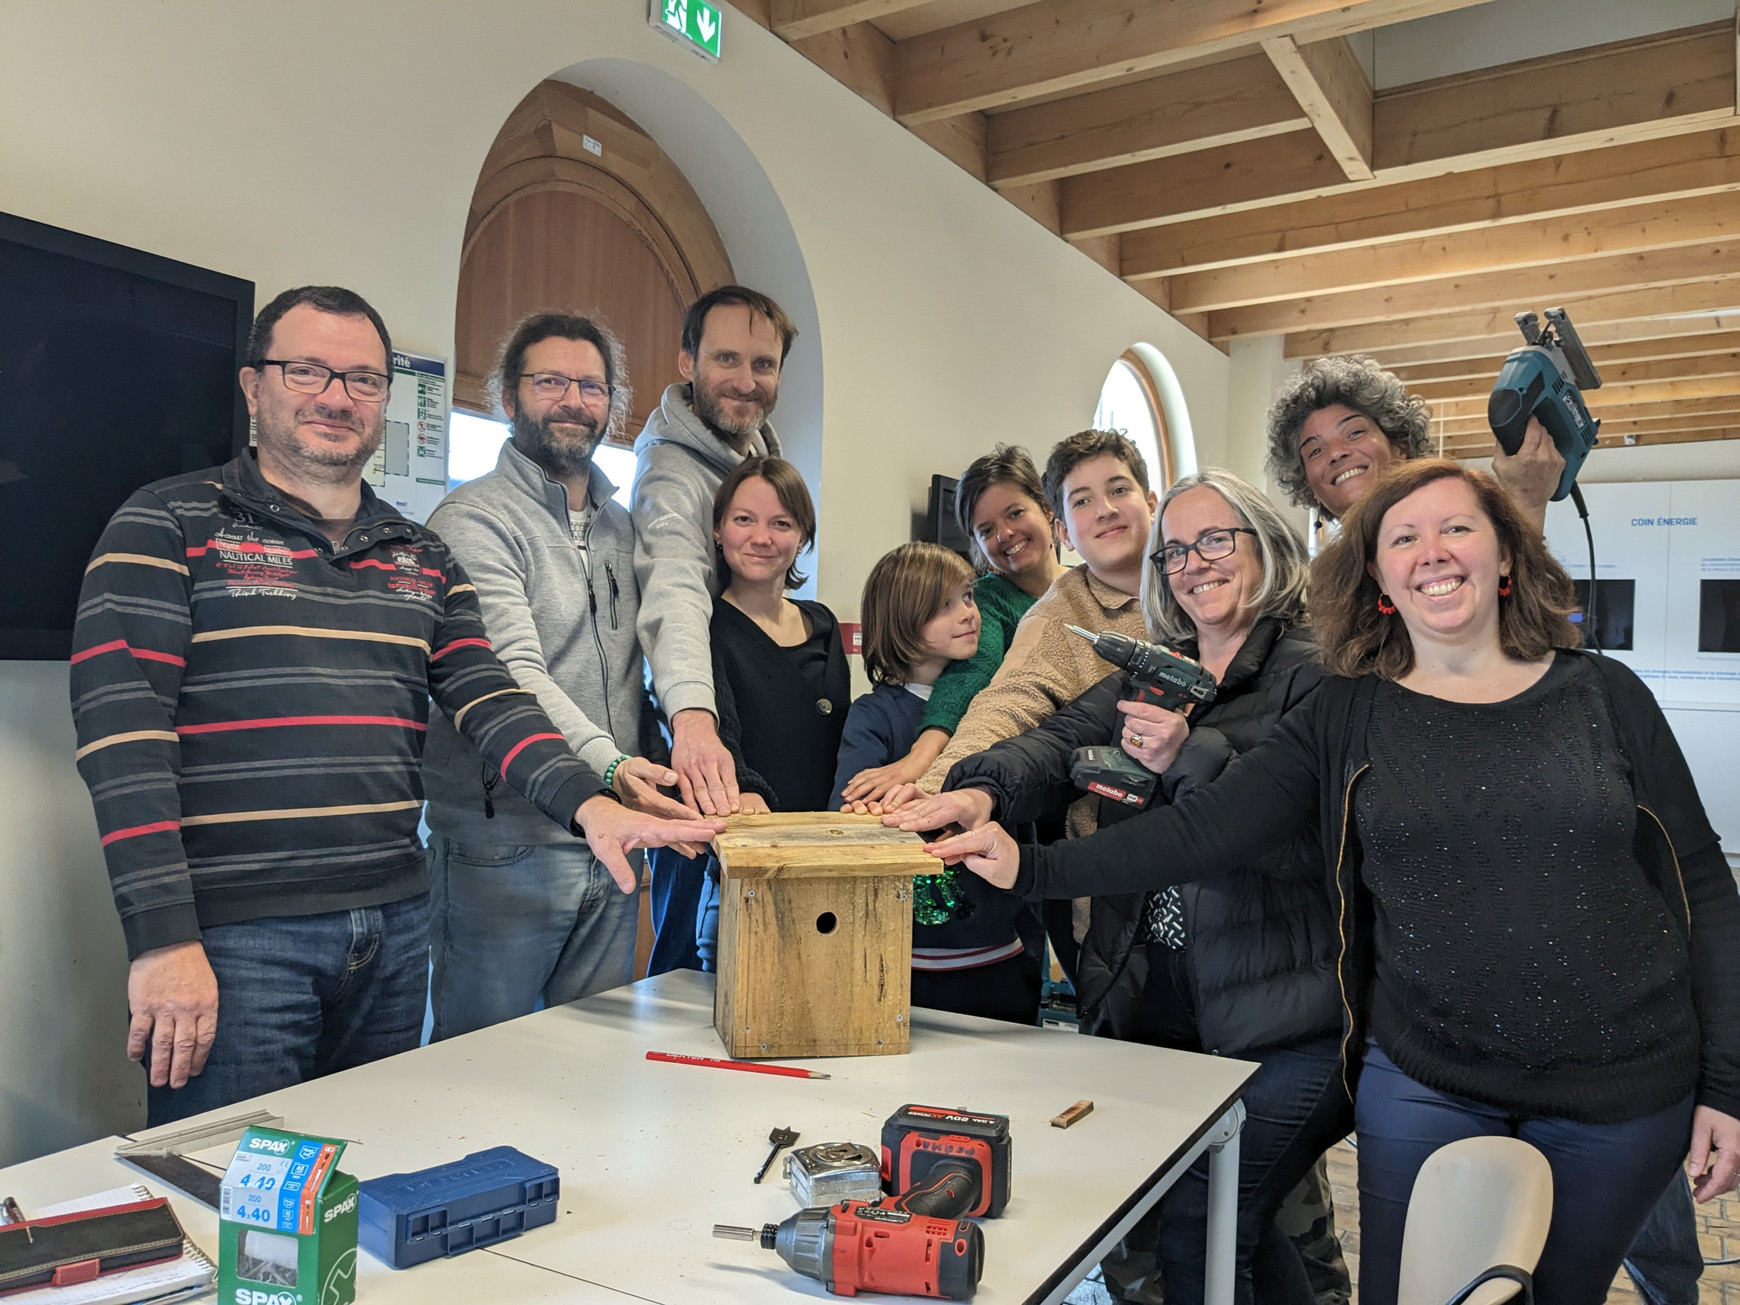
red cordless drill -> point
(856, 1246)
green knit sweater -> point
(1002, 604)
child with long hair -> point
(919, 617)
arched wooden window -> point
(578, 209)
(1142, 398)
(1129, 403)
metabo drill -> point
(856, 1246)
(1546, 378)
(1156, 675)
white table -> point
(652, 1155)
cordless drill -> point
(942, 1164)
(1157, 675)
(856, 1246)
(1545, 378)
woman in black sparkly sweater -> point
(1539, 923)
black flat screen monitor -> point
(117, 368)
(1615, 608)
(940, 525)
(1719, 616)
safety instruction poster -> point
(409, 470)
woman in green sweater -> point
(1001, 506)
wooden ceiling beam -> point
(1638, 333)
(1602, 355)
(1060, 46)
(1205, 183)
(1603, 406)
(1693, 387)
(1667, 417)
(1200, 108)
(1605, 113)
(960, 140)
(1039, 201)
(1505, 292)
(1709, 407)
(859, 57)
(1475, 450)
(795, 19)
(1621, 309)
(1661, 224)
(1616, 381)
(1598, 95)
(1333, 90)
(1699, 163)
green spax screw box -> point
(287, 1221)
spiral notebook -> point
(186, 1279)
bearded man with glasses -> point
(254, 656)
(520, 913)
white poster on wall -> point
(409, 470)
(1668, 605)
(1668, 562)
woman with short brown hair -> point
(1358, 637)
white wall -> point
(1256, 369)
(936, 318)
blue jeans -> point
(674, 900)
(1605, 1178)
(515, 927)
(1665, 1260)
(707, 920)
(1295, 1110)
(306, 995)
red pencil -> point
(787, 1071)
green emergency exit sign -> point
(695, 23)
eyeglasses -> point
(312, 378)
(1213, 546)
(553, 387)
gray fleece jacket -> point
(679, 466)
(567, 636)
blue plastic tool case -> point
(487, 1197)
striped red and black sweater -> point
(251, 704)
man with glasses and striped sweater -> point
(254, 657)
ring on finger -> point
(1135, 740)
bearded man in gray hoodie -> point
(735, 341)
(520, 911)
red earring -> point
(1504, 586)
(1385, 605)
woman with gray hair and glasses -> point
(1244, 965)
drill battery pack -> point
(919, 1139)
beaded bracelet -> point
(610, 770)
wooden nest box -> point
(815, 935)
